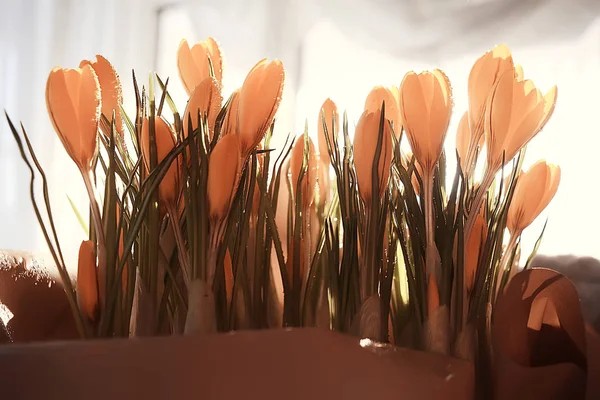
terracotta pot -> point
(269, 364)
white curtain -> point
(35, 36)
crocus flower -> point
(426, 105)
(73, 102)
(533, 192)
(223, 176)
(376, 97)
(110, 89)
(485, 73)
(193, 63)
(259, 100)
(205, 99)
(516, 111)
(87, 280)
(365, 146)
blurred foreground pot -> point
(543, 348)
(269, 364)
(35, 298)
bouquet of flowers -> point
(197, 225)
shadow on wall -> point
(584, 272)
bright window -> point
(335, 66)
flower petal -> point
(259, 100)
(223, 176)
(365, 146)
(498, 116)
(205, 99)
(230, 123)
(110, 89)
(376, 97)
(73, 103)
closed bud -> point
(426, 105)
(205, 100)
(377, 96)
(73, 102)
(223, 176)
(365, 147)
(483, 76)
(533, 192)
(259, 100)
(193, 63)
(87, 280)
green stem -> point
(431, 255)
(504, 266)
(96, 216)
(477, 203)
(181, 250)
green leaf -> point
(80, 218)
(538, 242)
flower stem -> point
(96, 216)
(181, 250)
(477, 203)
(432, 257)
(504, 266)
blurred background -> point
(330, 48)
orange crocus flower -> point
(533, 192)
(73, 102)
(483, 76)
(205, 100)
(426, 105)
(365, 145)
(376, 97)
(516, 111)
(87, 280)
(259, 100)
(193, 63)
(223, 176)
(110, 89)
